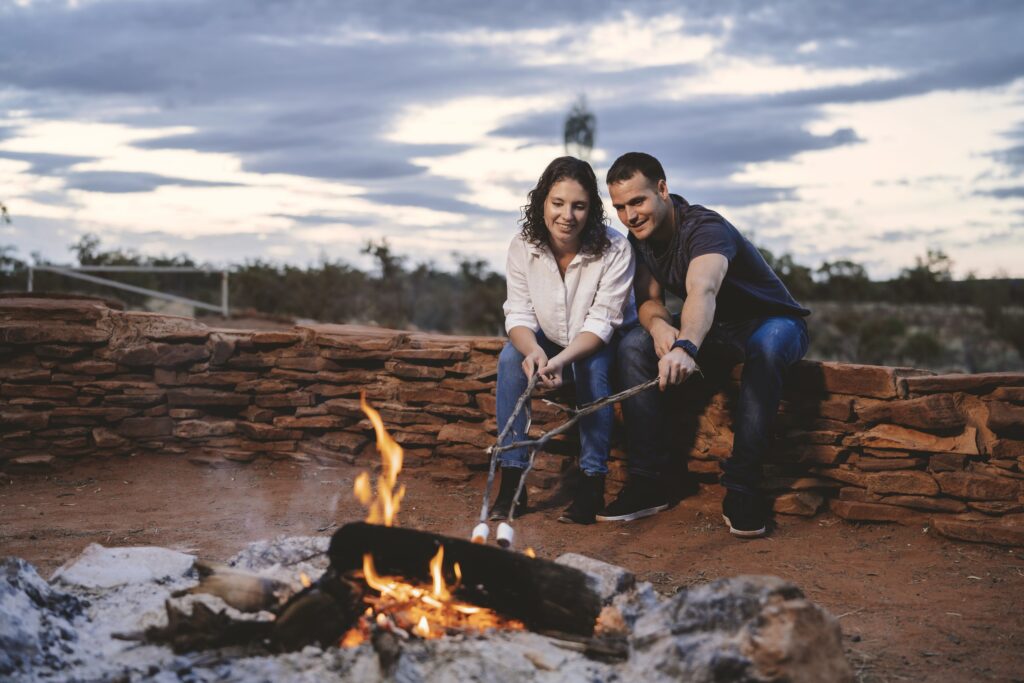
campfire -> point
(397, 605)
(386, 584)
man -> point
(730, 297)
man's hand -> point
(551, 374)
(674, 367)
(534, 361)
(664, 335)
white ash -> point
(742, 629)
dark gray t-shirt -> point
(751, 289)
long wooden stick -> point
(522, 402)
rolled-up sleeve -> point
(607, 311)
(518, 306)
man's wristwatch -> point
(686, 345)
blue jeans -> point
(766, 346)
(592, 377)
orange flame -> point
(426, 612)
(529, 552)
(306, 583)
(383, 508)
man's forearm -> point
(697, 315)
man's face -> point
(643, 206)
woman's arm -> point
(585, 344)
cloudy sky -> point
(293, 130)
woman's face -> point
(565, 213)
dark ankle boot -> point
(510, 477)
(589, 501)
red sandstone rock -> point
(869, 464)
(450, 353)
(141, 427)
(266, 386)
(946, 462)
(54, 392)
(307, 363)
(276, 338)
(110, 414)
(824, 437)
(47, 333)
(926, 503)
(461, 432)
(135, 399)
(996, 508)
(976, 486)
(250, 361)
(262, 432)
(487, 403)
(201, 429)
(467, 368)
(197, 396)
(974, 384)
(221, 347)
(466, 385)
(937, 412)
(802, 503)
(844, 474)
(23, 419)
(894, 437)
(105, 438)
(838, 378)
(1007, 530)
(29, 308)
(432, 395)
(1005, 419)
(347, 442)
(827, 455)
(32, 462)
(1010, 394)
(60, 352)
(160, 355)
(855, 511)
(223, 378)
(90, 367)
(311, 422)
(412, 371)
(455, 412)
(915, 483)
(779, 483)
(1005, 448)
(292, 399)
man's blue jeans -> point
(766, 346)
(593, 379)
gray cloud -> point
(1004, 192)
(46, 164)
(119, 182)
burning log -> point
(320, 614)
(544, 595)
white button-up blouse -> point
(595, 295)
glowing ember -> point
(530, 553)
(425, 611)
(306, 583)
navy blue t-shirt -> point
(751, 289)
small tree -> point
(580, 126)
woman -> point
(569, 288)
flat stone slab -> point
(100, 567)
(607, 580)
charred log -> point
(544, 595)
(320, 614)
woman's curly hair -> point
(593, 236)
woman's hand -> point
(535, 361)
(551, 374)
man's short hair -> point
(631, 163)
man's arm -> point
(703, 280)
(651, 311)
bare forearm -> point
(585, 344)
(652, 314)
(524, 339)
(697, 315)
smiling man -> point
(732, 299)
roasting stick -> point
(482, 530)
(506, 533)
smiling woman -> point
(569, 279)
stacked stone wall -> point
(78, 379)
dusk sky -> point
(295, 130)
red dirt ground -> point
(913, 606)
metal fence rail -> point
(78, 273)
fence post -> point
(224, 293)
